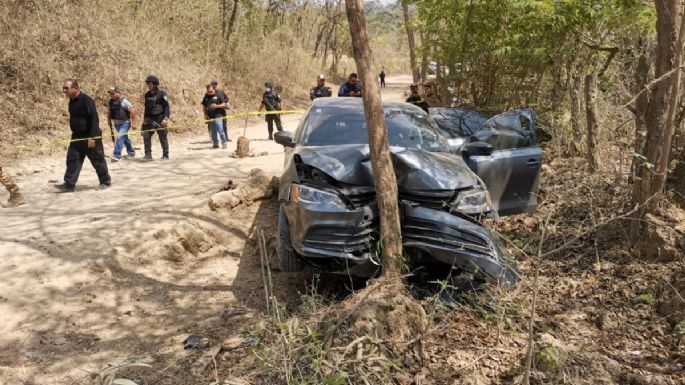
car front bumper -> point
(347, 240)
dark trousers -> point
(77, 153)
(149, 130)
(270, 119)
(382, 82)
(226, 127)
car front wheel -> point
(287, 258)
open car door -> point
(457, 124)
(509, 160)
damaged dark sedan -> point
(328, 215)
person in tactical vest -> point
(86, 138)
(272, 102)
(320, 90)
(351, 87)
(156, 115)
(122, 115)
(415, 98)
(16, 199)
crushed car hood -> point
(415, 169)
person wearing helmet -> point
(156, 118)
(16, 199)
(272, 102)
(320, 90)
(415, 98)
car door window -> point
(505, 131)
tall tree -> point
(410, 39)
(663, 101)
(381, 161)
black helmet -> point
(152, 79)
(269, 84)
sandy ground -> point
(96, 276)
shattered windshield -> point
(326, 126)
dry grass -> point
(102, 44)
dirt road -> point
(96, 276)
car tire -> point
(287, 257)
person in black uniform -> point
(86, 139)
(320, 90)
(156, 115)
(272, 102)
(222, 94)
(415, 98)
(382, 76)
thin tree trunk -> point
(592, 121)
(576, 141)
(410, 39)
(381, 162)
(232, 23)
(642, 102)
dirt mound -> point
(382, 315)
(185, 240)
(665, 240)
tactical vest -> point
(117, 111)
(321, 92)
(271, 101)
(153, 104)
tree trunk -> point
(381, 162)
(641, 104)
(410, 39)
(576, 140)
(592, 121)
(663, 101)
(232, 22)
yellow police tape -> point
(230, 116)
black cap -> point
(152, 79)
(213, 82)
(268, 83)
(114, 90)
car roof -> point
(354, 103)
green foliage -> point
(548, 358)
(647, 299)
(499, 50)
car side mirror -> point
(284, 138)
(477, 148)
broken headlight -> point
(311, 195)
(473, 202)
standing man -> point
(122, 115)
(272, 102)
(320, 90)
(224, 95)
(382, 76)
(215, 104)
(432, 99)
(86, 138)
(157, 114)
(415, 98)
(351, 87)
(16, 199)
